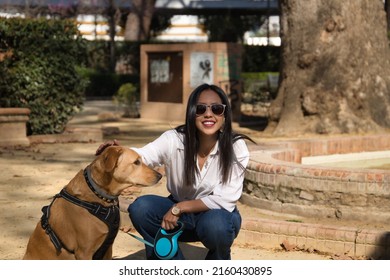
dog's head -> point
(117, 168)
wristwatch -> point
(175, 210)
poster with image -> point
(202, 64)
(159, 71)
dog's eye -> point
(137, 162)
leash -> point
(140, 239)
(165, 243)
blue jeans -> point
(216, 228)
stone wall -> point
(276, 180)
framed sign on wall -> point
(202, 68)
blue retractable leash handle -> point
(165, 243)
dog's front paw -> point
(126, 228)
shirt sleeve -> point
(226, 195)
(155, 153)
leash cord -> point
(140, 239)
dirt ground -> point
(29, 177)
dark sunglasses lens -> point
(201, 109)
(217, 109)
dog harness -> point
(109, 215)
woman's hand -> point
(106, 144)
(169, 221)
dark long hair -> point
(226, 137)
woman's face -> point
(209, 123)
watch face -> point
(175, 211)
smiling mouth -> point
(208, 123)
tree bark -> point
(112, 20)
(139, 20)
(335, 75)
(387, 10)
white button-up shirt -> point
(168, 150)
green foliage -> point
(255, 75)
(261, 59)
(42, 71)
(159, 23)
(127, 96)
(98, 55)
(258, 86)
(103, 85)
(229, 27)
(260, 65)
(102, 82)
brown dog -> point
(83, 219)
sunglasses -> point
(217, 109)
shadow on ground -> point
(190, 252)
(381, 253)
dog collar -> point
(96, 189)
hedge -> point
(41, 71)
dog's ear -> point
(110, 159)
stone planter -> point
(13, 126)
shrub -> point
(127, 96)
(41, 72)
(104, 85)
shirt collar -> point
(214, 151)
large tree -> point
(139, 20)
(335, 73)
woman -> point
(204, 163)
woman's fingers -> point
(106, 144)
(169, 221)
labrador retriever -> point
(82, 221)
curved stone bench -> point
(277, 181)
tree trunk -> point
(139, 20)
(387, 10)
(112, 19)
(335, 75)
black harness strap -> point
(46, 226)
(109, 215)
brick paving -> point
(344, 241)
